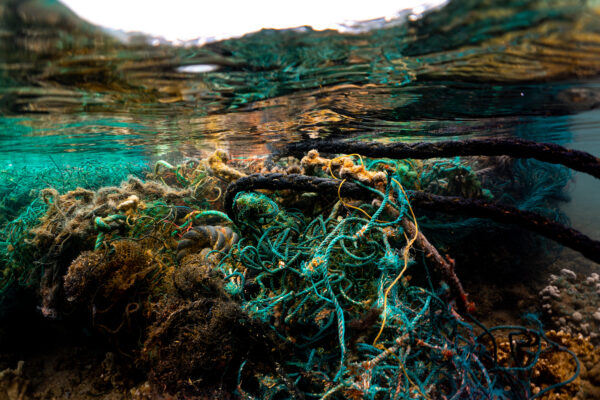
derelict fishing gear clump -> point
(306, 277)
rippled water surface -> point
(70, 93)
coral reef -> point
(557, 365)
(572, 303)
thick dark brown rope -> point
(512, 147)
(452, 205)
(505, 214)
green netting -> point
(22, 207)
(324, 278)
(19, 186)
(322, 285)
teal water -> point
(71, 94)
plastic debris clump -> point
(280, 293)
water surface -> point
(71, 94)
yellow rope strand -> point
(349, 205)
(405, 256)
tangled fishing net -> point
(25, 198)
(310, 279)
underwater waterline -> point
(72, 94)
(78, 106)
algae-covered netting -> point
(312, 279)
(25, 198)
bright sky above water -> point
(186, 20)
